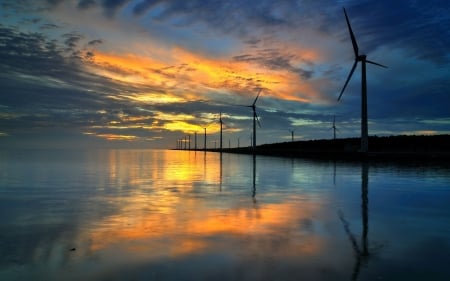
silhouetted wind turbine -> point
(363, 59)
(292, 134)
(334, 127)
(255, 118)
(204, 146)
(221, 123)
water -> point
(177, 215)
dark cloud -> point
(54, 2)
(31, 21)
(20, 49)
(275, 60)
(423, 29)
(143, 6)
(86, 4)
(71, 40)
(46, 89)
(243, 18)
(48, 26)
(111, 6)
(95, 42)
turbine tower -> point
(363, 59)
(255, 119)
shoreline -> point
(393, 148)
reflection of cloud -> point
(192, 229)
(163, 213)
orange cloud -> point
(113, 137)
(193, 76)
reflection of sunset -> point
(166, 216)
(190, 228)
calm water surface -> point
(178, 215)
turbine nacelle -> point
(361, 57)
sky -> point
(145, 74)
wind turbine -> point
(221, 123)
(363, 59)
(255, 118)
(334, 127)
(292, 134)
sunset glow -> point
(155, 71)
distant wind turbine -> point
(334, 127)
(255, 118)
(204, 140)
(363, 59)
(221, 123)
(292, 134)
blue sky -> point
(123, 73)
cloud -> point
(111, 6)
(421, 29)
(49, 26)
(54, 2)
(86, 4)
(72, 39)
(129, 68)
(95, 42)
(275, 60)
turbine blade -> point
(257, 96)
(348, 79)
(375, 63)
(257, 120)
(352, 35)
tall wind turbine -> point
(255, 118)
(363, 59)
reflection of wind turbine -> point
(363, 59)
(254, 179)
(361, 254)
(255, 119)
(220, 172)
